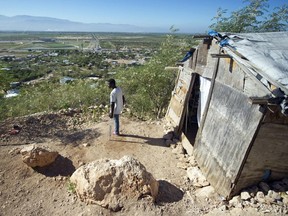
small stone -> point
(235, 201)
(274, 195)
(245, 195)
(269, 200)
(253, 201)
(86, 144)
(205, 192)
(178, 150)
(246, 203)
(285, 201)
(260, 197)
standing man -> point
(117, 101)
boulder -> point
(38, 156)
(114, 183)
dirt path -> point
(25, 191)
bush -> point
(54, 96)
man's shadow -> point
(148, 140)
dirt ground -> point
(27, 191)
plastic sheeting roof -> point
(267, 54)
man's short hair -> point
(112, 81)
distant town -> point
(31, 57)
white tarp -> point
(267, 53)
(203, 96)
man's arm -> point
(111, 113)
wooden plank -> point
(208, 70)
(194, 60)
(226, 136)
(186, 144)
(203, 36)
(258, 71)
(231, 75)
(258, 100)
(203, 118)
(202, 54)
(220, 56)
(253, 82)
(181, 92)
(177, 106)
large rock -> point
(112, 183)
(38, 156)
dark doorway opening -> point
(190, 126)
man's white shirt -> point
(116, 96)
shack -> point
(230, 107)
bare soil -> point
(45, 191)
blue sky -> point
(186, 15)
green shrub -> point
(49, 96)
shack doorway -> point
(190, 126)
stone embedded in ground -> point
(260, 197)
(205, 192)
(112, 183)
(235, 201)
(38, 156)
(196, 177)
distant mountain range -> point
(35, 23)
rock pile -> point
(264, 195)
(113, 183)
(266, 198)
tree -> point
(277, 20)
(253, 17)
